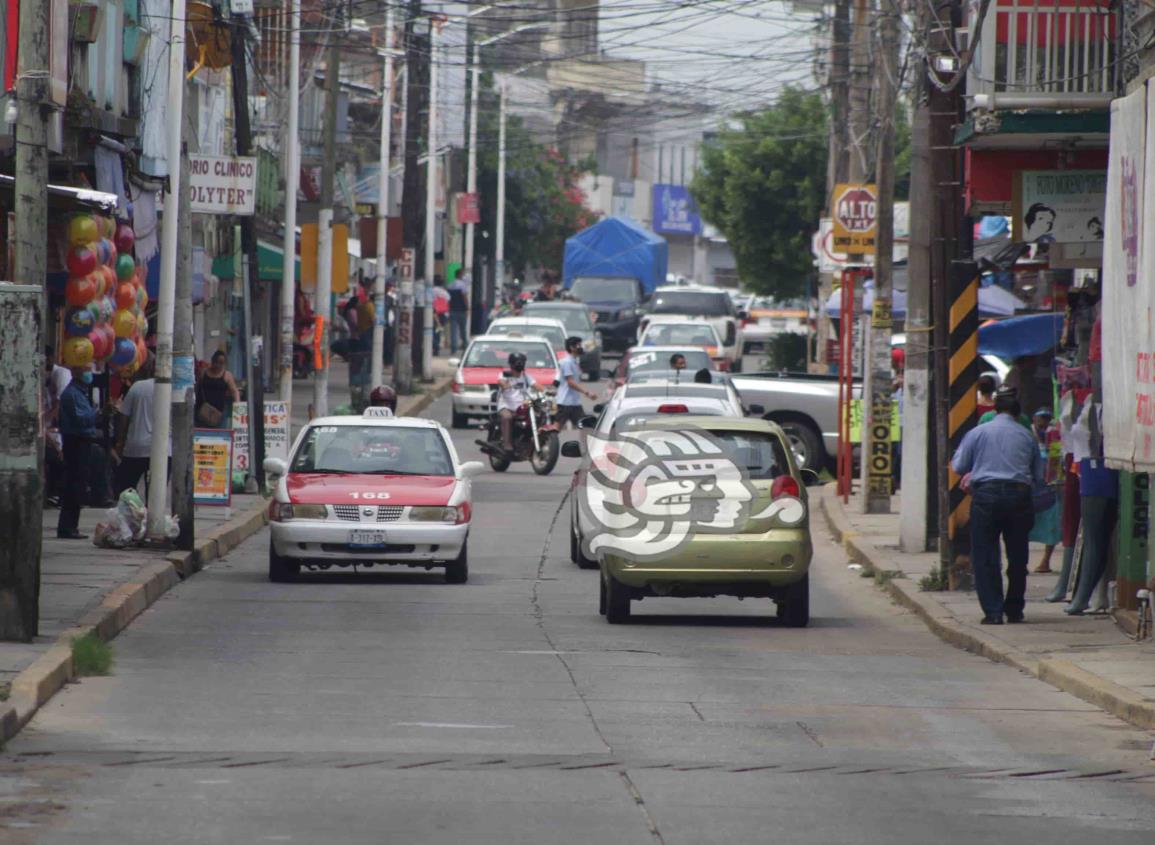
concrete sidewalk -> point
(85, 589)
(1087, 656)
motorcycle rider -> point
(515, 389)
(383, 396)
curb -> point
(33, 687)
(1059, 673)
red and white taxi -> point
(369, 491)
(486, 358)
(676, 330)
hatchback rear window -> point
(762, 455)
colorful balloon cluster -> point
(105, 319)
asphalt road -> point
(398, 709)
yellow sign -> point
(212, 466)
(856, 422)
(309, 248)
(854, 209)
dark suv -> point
(616, 304)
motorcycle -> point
(534, 436)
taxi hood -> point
(322, 488)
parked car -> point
(370, 491)
(701, 303)
(579, 322)
(480, 369)
(766, 553)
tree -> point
(544, 204)
(762, 183)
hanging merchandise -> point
(78, 322)
(77, 352)
(124, 239)
(81, 261)
(124, 353)
(126, 295)
(80, 291)
(124, 324)
(82, 230)
(125, 268)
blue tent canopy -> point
(617, 247)
(1019, 336)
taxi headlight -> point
(427, 514)
(308, 512)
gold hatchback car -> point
(698, 506)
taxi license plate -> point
(367, 539)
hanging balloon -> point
(82, 260)
(78, 322)
(125, 268)
(124, 352)
(125, 296)
(142, 299)
(142, 325)
(125, 238)
(82, 229)
(109, 336)
(109, 307)
(80, 292)
(106, 225)
(112, 252)
(77, 352)
(124, 323)
(96, 310)
(110, 280)
(100, 345)
(141, 353)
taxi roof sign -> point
(371, 413)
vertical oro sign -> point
(854, 209)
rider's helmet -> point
(383, 396)
(517, 361)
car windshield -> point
(762, 455)
(372, 450)
(672, 334)
(553, 334)
(495, 353)
(698, 303)
(643, 361)
(592, 290)
(576, 320)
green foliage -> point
(902, 153)
(544, 205)
(763, 183)
(91, 656)
(934, 582)
(786, 352)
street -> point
(396, 708)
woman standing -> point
(215, 389)
(1048, 524)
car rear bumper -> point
(775, 559)
(405, 542)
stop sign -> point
(857, 210)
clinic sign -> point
(223, 184)
(855, 215)
(675, 212)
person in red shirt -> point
(986, 397)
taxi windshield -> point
(551, 333)
(495, 353)
(694, 334)
(372, 450)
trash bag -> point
(123, 525)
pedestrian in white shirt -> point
(134, 434)
(570, 391)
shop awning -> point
(63, 196)
(270, 259)
(993, 302)
(1033, 334)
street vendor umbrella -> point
(993, 302)
(1033, 334)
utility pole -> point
(430, 206)
(383, 202)
(170, 231)
(837, 167)
(292, 179)
(499, 253)
(21, 485)
(325, 218)
(878, 450)
(417, 66)
(476, 295)
(251, 263)
(859, 94)
(403, 323)
(183, 392)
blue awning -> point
(1018, 336)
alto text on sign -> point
(855, 212)
(223, 185)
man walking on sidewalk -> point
(1004, 464)
(78, 430)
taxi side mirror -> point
(571, 449)
(275, 467)
(471, 468)
(454, 362)
(588, 421)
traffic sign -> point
(855, 212)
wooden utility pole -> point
(21, 443)
(877, 451)
(837, 162)
(860, 85)
(251, 272)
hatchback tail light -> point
(673, 409)
(784, 485)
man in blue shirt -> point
(77, 430)
(1004, 464)
(570, 390)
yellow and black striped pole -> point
(963, 370)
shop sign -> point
(855, 213)
(468, 209)
(223, 185)
(212, 466)
(1128, 338)
(1061, 206)
(675, 212)
(276, 432)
